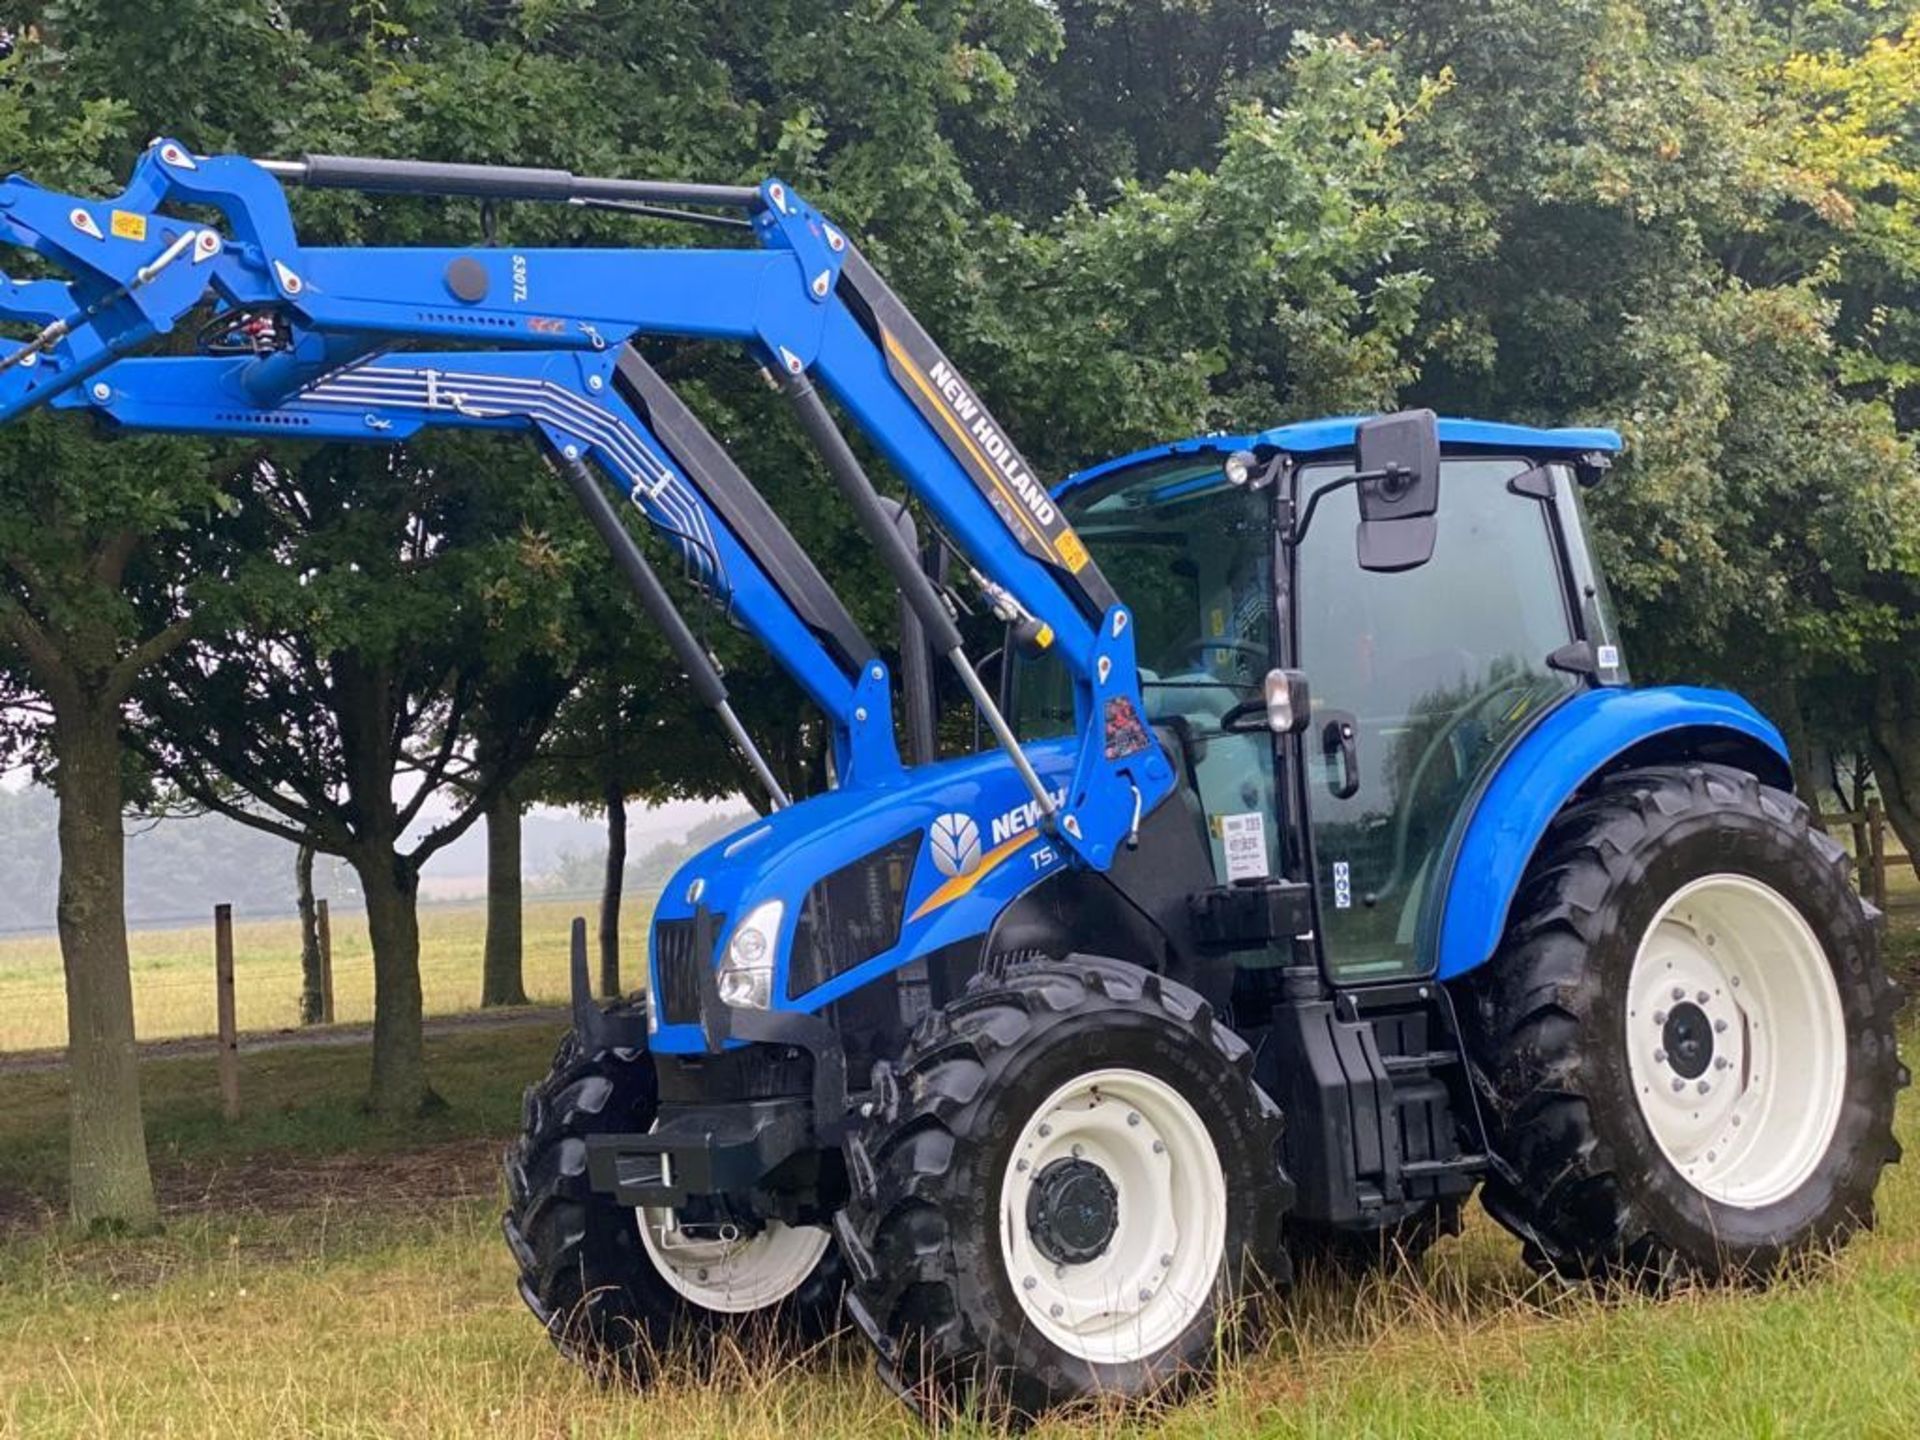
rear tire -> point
(1064, 1191)
(1687, 1039)
(607, 1295)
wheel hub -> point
(1113, 1216)
(1073, 1211)
(1687, 1037)
(1735, 1040)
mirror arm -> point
(1359, 477)
(1313, 503)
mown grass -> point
(346, 1322)
(325, 1274)
(173, 992)
(387, 1308)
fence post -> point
(1877, 847)
(229, 1030)
(325, 927)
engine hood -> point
(962, 836)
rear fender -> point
(1594, 732)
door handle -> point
(1339, 742)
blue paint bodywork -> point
(1317, 437)
(783, 855)
(1568, 746)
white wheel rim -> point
(1162, 1264)
(1745, 1118)
(718, 1268)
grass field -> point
(173, 971)
(323, 1276)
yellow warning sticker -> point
(128, 225)
(1073, 554)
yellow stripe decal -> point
(959, 885)
(953, 423)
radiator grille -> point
(852, 915)
(676, 966)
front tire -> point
(616, 1289)
(1072, 1178)
(1687, 1039)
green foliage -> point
(1133, 220)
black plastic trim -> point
(733, 497)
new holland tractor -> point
(1318, 864)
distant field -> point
(173, 971)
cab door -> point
(1420, 681)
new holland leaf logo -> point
(955, 842)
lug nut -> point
(1719, 1027)
(1030, 1283)
(1701, 997)
(1166, 1262)
(1159, 1147)
(1078, 1151)
(1679, 992)
(1133, 1117)
(1659, 1057)
(1720, 1062)
(1145, 1294)
(1678, 1084)
(1045, 1130)
(1703, 1087)
(1057, 1310)
(1021, 1167)
(1659, 1017)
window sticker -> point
(1244, 839)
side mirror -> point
(1399, 484)
(1282, 707)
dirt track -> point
(189, 1047)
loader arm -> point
(311, 343)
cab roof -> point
(1316, 437)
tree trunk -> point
(503, 981)
(399, 1086)
(312, 1000)
(612, 884)
(1894, 748)
(1782, 705)
(110, 1182)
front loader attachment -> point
(320, 344)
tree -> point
(365, 598)
(87, 605)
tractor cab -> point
(1428, 642)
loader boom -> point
(313, 343)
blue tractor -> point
(1309, 787)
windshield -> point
(1192, 556)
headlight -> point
(746, 975)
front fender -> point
(1571, 745)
